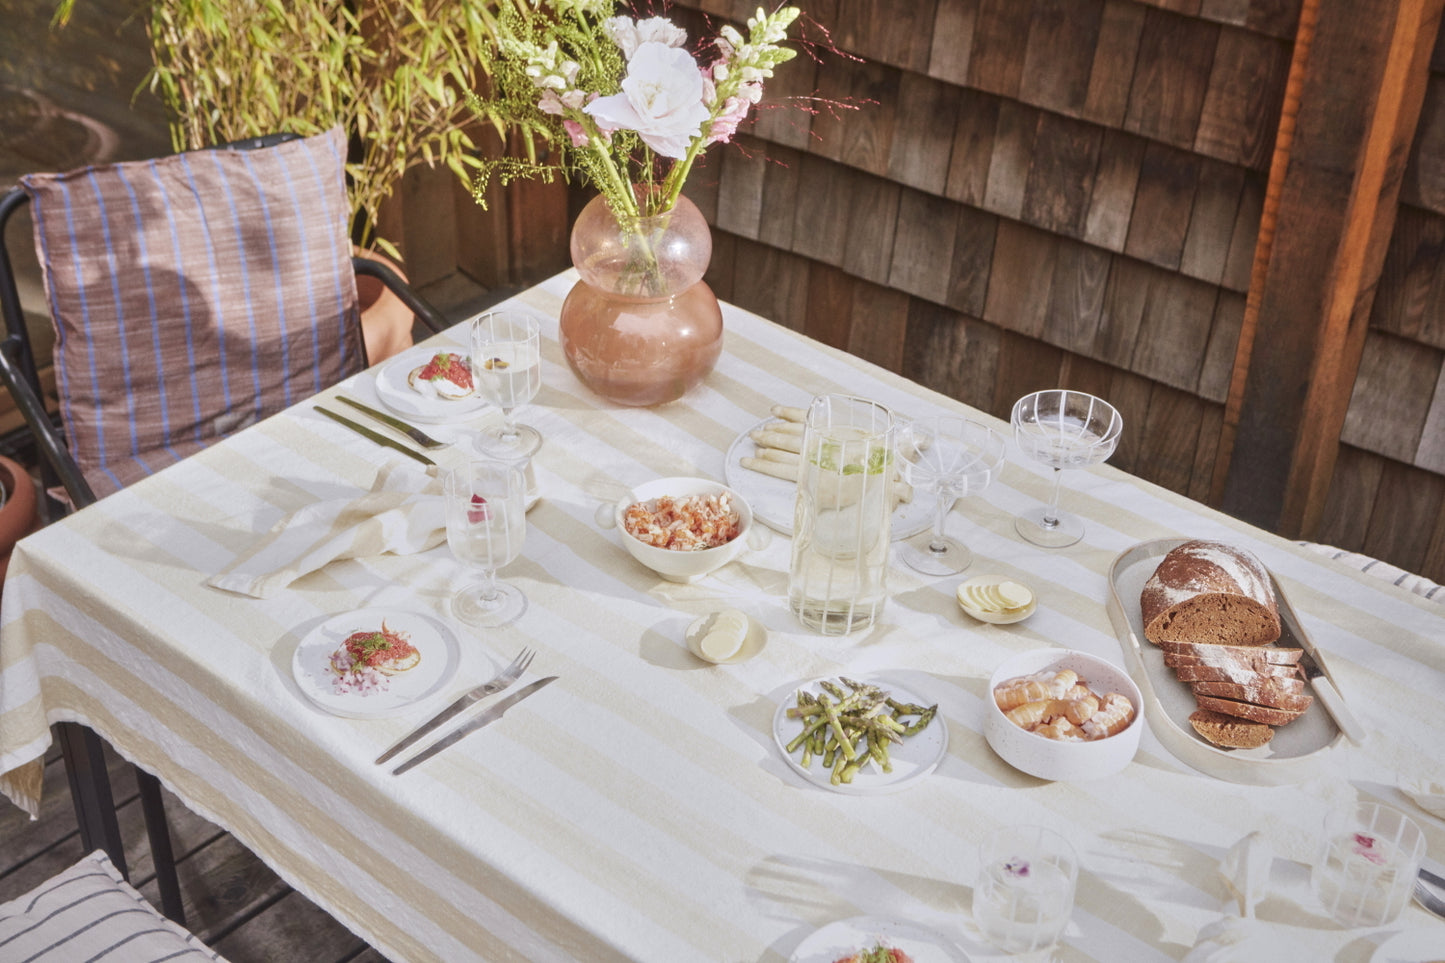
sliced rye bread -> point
(1190, 669)
(1212, 652)
(1271, 693)
(1229, 731)
(1247, 710)
(1205, 591)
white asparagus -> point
(788, 413)
(778, 454)
(768, 466)
(784, 427)
(775, 439)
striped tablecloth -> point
(638, 809)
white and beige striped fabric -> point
(638, 809)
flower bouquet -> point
(625, 104)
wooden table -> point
(638, 809)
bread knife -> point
(1334, 703)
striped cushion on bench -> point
(89, 912)
(194, 295)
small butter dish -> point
(997, 599)
(725, 637)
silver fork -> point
(503, 679)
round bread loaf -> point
(1211, 593)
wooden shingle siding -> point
(1017, 194)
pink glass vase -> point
(641, 327)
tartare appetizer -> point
(447, 375)
(878, 954)
(367, 659)
(688, 524)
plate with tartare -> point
(876, 939)
(429, 384)
(375, 662)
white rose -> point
(661, 99)
(630, 34)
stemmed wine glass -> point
(1062, 429)
(486, 504)
(507, 369)
(950, 457)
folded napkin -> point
(402, 514)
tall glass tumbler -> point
(837, 581)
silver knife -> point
(1334, 703)
(485, 719)
(415, 434)
(468, 698)
(377, 437)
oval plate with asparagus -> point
(893, 736)
(762, 465)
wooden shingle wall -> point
(1069, 192)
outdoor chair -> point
(191, 296)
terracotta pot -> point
(641, 327)
(19, 516)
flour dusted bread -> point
(1209, 592)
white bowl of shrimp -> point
(683, 528)
(1063, 715)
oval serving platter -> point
(1296, 749)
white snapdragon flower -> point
(630, 34)
(661, 99)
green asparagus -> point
(850, 724)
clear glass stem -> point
(1051, 514)
(489, 593)
(938, 545)
(509, 425)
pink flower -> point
(577, 132)
(725, 125)
(661, 99)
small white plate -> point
(846, 937)
(772, 498)
(440, 656)
(918, 756)
(1412, 946)
(395, 390)
(994, 617)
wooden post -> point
(1356, 86)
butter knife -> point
(1334, 703)
(485, 719)
(415, 434)
(377, 437)
(472, 696)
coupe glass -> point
(507, 369)
(486, 509)
(1062, 429)
(950, 457)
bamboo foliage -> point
(393, 74)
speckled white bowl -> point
(1054, 759)
(683, 566)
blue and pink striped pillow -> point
(194, 295)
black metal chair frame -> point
(81, 748)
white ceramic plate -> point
(772, 498)
(396, 392)
(1412, 946)
(440, 655)
(845, 937)
(919, 755)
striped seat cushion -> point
(89, 912)
(194, 295)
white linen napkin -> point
(402, 514)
